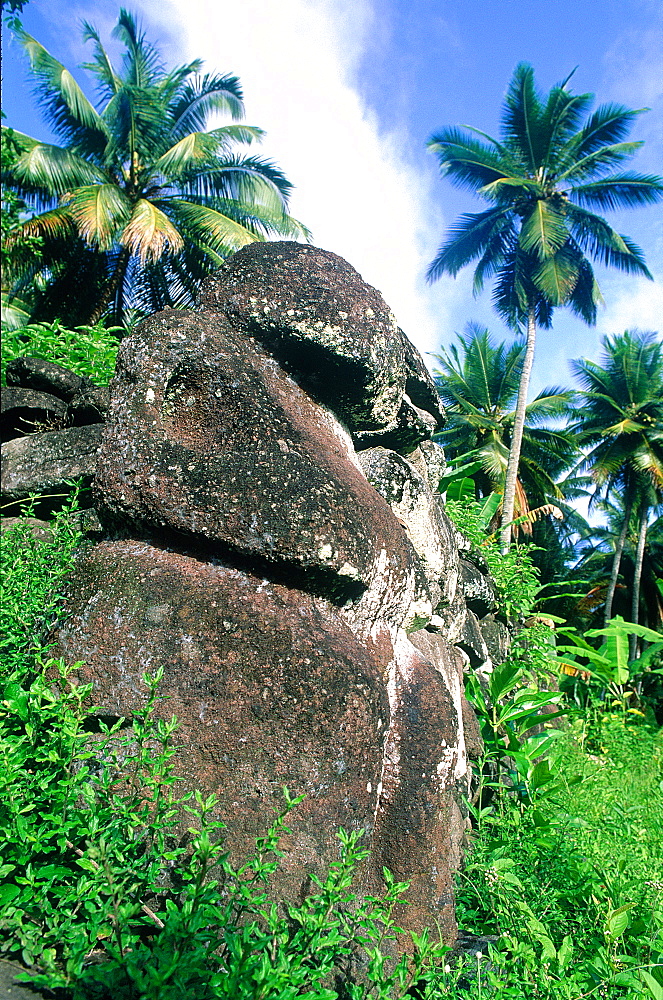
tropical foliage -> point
(621, 425)
(141, 199)
(554, 163)
(478, 382)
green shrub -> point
(515, 576)
(89, 351)
(102, 897)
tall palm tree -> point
(596, 559)
(537, 236)
(140, 201)
(478, 382)
(622, 426)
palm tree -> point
(140, 201)
(596, 559)
(538, 234)
(478, 382)
(622, 424)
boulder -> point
(496, 637)
(429, 461)
(45, 376)
(334, 333)
(88, 406)
(413, 503)
(270, 686)
(41, 464)
(471, 641)
(211, 442)
(24, 411)
(242, 548)
(478, 589)
(419, 826)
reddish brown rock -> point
(250, 558)
(334, 333)
(271, 688)
(209, 439)
(418, 824)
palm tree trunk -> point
(637, 575)
(616, 562)
(517, 439)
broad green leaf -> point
(654, 987)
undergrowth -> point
(89, 351)
(103, 898)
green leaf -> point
(544, 231)
(99, 211)
(654, 987)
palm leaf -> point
(56, 224)
(53, 170)
(249, 178)
(468, 239)
(523, 119)
(142, 62)
(465, 161)
(67, 109)
(206, 95)
(609, 124)
(150, 233)
(199, 148)
(626, 190)
(216, 233)
(544, 230)
(100, 212)
(101, 65)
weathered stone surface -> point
(89, 406)
(410, 498)
(331, 330)
(419, 385)
(418, 823)
(429, 461)
(22, 411)
(45, 376)
(449, 619)
(270, 686)
(209, 438)
(478, 589)
(411, 426)
(472, 642)
(247, 553)
(41, 463)
(497, 638)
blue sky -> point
(350, 90)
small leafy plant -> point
(89, 351)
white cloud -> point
(637, 304)
(354, 186)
